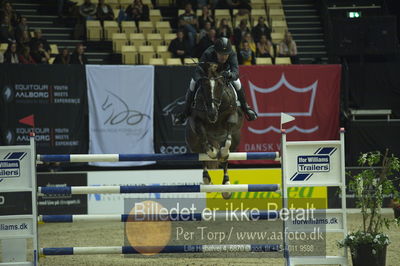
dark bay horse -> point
(215, 122)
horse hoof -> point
(224, 154)
(206, 180)
(212, 153)
(226, 195)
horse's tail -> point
(212, 165)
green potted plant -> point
(368, 244)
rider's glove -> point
(227, 75)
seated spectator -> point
(137, 11)
(63, 58)
(39, 54)
(38, 38)
(224, 30)
(261, 29)
(87, 10)
(179, 47)
(246, 56)
(205, 17)
(104, 11)
(6, 30)
(8, 10)
(204, 31)
(25, 56)
(206, 42)
(10, 55)
(238, 4)
(188, 21)
(22, 32)
(247, 37)
(288, 48)
(240, 31)
(264, 47)
(79, 57)
(241, 14)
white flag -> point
(285, 118)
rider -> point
(221, 52)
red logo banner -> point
(310, 93)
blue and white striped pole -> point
(79, 190)
(84, 158)
(166, 249)
(181, 217)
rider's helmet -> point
(223, 46)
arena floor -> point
(110, 234)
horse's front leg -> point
(208, 148)
(231, 122)
(225, 181)
(206, 176)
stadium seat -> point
(146, 27)
(54, 49)
(164, 2)
(283, 61)
(51, 60)
(162, 52)
(276, 14)
(155, 15)
(191, 61)
(279, 25)
(113, 4)
(128, 27)
(168, 37)
(145, 53)
(156, 61)
(163, 27)
(110, 27)
(174, 62)
(119, 39)
(154, 39)
(277, 37)
(237, 18)
(256, 13)
(93, 30)
(181, 11)
(129, 55)
(257, 4)
(222, 13)
(274, 4)
(125, 3)
(3, 47)
(148, 3)
(263, 61)
(137, 39)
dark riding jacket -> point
(210, 55)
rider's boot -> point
(181, 117)
(249, 113)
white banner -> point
(120, 100)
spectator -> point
(206, 42)
(6, 30)
(25, 56)
(188, 21)
(288, 48)
(238, 4)
(137, 11)
(39, 54)
(264, 47)
(104, 12)
(241, 14)
(261, 29)
(246, 55)
(63, 58)
(240, 31)
(179, 46)
(38, 38)
(247, 37)
(204, 31)
(79, 57)
(205, 17)
(22, 32)
(10, 55)
(87, 10)
(10, 12)
(224, 30)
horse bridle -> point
(217, 101)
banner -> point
(48, 99)
(121, 103)
(171, 84)
(310, 93)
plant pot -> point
(396, 212)
(362, 256)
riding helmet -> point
(223, 46)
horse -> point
(215, 121)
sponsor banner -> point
(62, 204)
(120, 111)
(299, 197)
(15, 227)
(170, 87)
(308, 93)
(114, 203)
(50, 100)
(15, 203)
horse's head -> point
(212, 86)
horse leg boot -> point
(191, 92)
(225, 149)
(225, 181)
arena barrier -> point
(181, 217)
(311, 163)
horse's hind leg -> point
(225, 181)
(206, 176)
